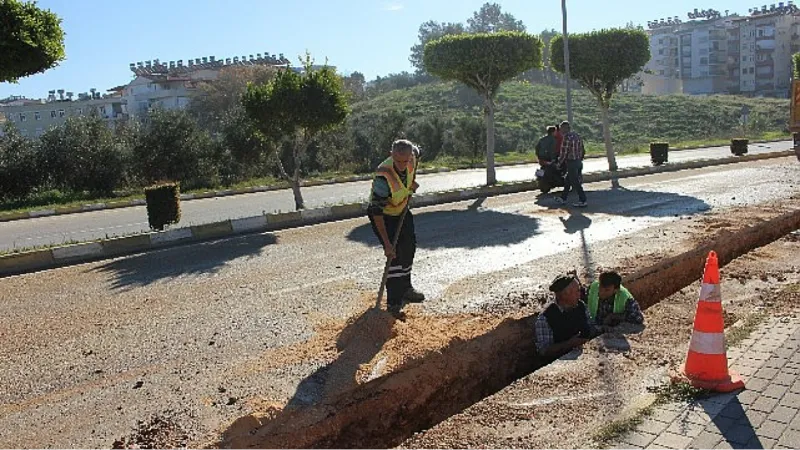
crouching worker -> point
(565, 323)
(610, 303)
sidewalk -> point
(763, 415)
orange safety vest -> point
(399, 191)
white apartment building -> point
(155, 85)
(171, 85)
(33, 117)
(724, 53)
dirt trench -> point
(421, 393)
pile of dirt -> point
(561, 405)
(157, 432)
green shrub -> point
(163, 205)
(19, 172)
(173, 147)
(84, 155)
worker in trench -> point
(392, 186)
(610, 303)
(565, 323)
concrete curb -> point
(17, 263)
(8, 217)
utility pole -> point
(567, 77)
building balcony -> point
(765, 63)
(765, 76)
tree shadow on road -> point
(476, 227)
(621, 201)
(196, 259)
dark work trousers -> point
(574, 180)
(399, 278)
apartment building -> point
(170, 85)
(33, 117)
(766, 41)
(725, 53)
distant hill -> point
(524, 109)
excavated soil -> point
(426, 370)
(561, 405)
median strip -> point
(17, 263)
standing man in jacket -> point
(392, 186)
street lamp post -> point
(566, 59)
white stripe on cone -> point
(707, 343)
(710, 293)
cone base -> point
(733, 382)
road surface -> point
(116, 222)
(89, 350)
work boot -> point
(413, 296)
(395, 309)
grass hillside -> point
(636, 120)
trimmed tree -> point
(31, 40)
(483, 62)
(296, 107)
(600, 61)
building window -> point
(661, 51)
(744, 58)
(744, 71)
(760, 33)
(752, 70)
(52, 114)
(37, 115)
(61, 113)
(703, 61)
(103, 110)
(22, 117)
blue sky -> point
(371, 36)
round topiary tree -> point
(31, 40)
(483, 62)
(600, 61)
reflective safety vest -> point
(620, 300)
(399, 191)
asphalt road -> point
(189, 332)
(101, 224)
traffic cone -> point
(707, 361)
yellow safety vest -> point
(620, 299)
(399, 191)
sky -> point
(370, 36)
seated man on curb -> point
(610, 303)
(565, 323)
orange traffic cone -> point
(707, 361)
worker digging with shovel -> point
(393, 224)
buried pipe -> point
(386, 411)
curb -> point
(18, 263)
(8, 217)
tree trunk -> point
(298, 196)
(491, 177)
(612, 160)
(300, 145)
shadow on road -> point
(203, 258)
(474, 228)
(358, 343)
(621, 201)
